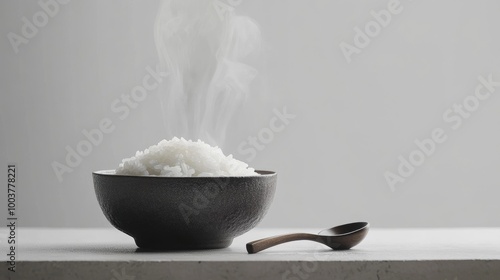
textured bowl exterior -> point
(184, 213)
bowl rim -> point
(111, 173)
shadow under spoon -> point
(341, 237)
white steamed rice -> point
(183, 158)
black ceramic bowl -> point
(184, 213)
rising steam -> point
(206, 52)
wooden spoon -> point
(341, 237)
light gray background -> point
(352, 120)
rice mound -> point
(183, 158)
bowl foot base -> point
(151, 244)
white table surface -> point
(52, 253)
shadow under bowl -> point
(184, 213)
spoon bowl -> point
(342, 237)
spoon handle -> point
(262, 244)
